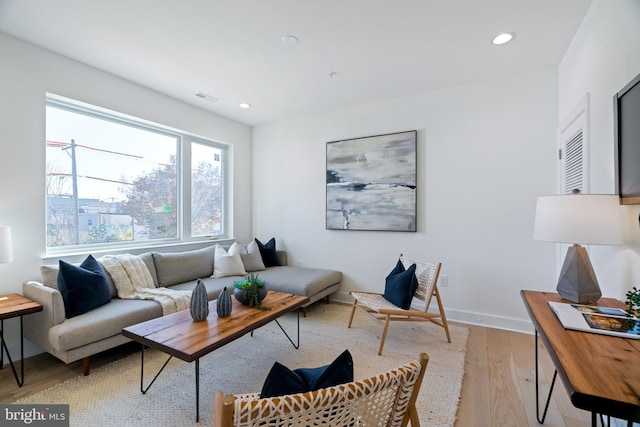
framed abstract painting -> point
(371, 183)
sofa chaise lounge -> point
(79, 337)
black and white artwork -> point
(371, 183)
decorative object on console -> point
(199, 303)
(223, 305)
(592, 219)
(6, 251)
(251, 291)
(371, 183)
(633, 301)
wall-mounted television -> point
(626, 112)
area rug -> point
(111, 395)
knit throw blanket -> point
(132, 280)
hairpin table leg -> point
(3, 346)
(553, 382)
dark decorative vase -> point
(245, 299)
(199, 303)
(223, 305)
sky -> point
(130, 152)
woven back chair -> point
(377, 307)
(387, 399)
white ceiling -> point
(232, 49)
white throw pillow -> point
(251, 257)
(228, 263)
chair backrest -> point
(427, 275)
(387, 399)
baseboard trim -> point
(467, 317)
(30, 349)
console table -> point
(601, 373)
(14, 305)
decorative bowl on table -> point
(250, 291)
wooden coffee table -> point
(178, 335)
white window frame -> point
(183, 171)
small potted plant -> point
(633, 301)
(251, 291)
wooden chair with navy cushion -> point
(395, 303)
(386, 399)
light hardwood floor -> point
(498, 387)
(499, 383)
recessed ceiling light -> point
(289, 40)
(503, 38)
(245, 105)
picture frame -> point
(371, 183)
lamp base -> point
(578, 282)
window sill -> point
(80, 255)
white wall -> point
(485, 152)
(603, 58)
(26, 74)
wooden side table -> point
(14, 305)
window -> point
(116, 180)
(206, 190)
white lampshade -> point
(588, 219)
(6, 252)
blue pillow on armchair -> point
(401, 285)
(340, 371)
(282, 381)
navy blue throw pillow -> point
(340, 371)
(399, 268)
(401, 286)
(83, 287)
(268, 252)
(282, 381)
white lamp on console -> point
(590, 219)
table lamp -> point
(6, 252)
(591, 219)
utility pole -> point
(74, 180)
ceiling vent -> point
(206, 96)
